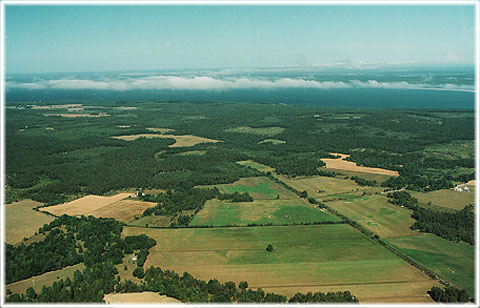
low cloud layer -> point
(205, 83)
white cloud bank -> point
(208, 83)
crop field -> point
(453, 261)
(180, 140)
(380, 178)
(446, 198)
(85, 205)
(255, 165)
(263, 131)
(321, 186)
(260, 188)
(22, 221)
(37, 282)
(305, 258)
(139, 297)
(123, 210)
(340, 163)
(152, 221)
(221, 213)
(374, 213)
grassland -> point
(453, 261)
(446, 198)
(321, 186)
(255, 165)
(340, 163)
(123, 210)
(380, 178)
(180, 140)
(375, 214)
(152, 221)
(263, 131)
(85, 205)
(220, 213)
(22, 221)
(305, 258)
(37, 282)
(139, 297)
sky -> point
(73, 38)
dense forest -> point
(458, 226)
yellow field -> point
(85, 205)
(375, 214)
(137, 298)
(305, 258)
(339, 163)
(446, 198)
(37, 282)
(22, 221)
(321, 186)
(181, 140)
(123, 210)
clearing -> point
(263, 131)
(305, 258)
(180, 140)
(21, 220)
(123, 210)
(377, 215)
(272, 141)
(77, 115)
(448, 198)
(152, 221)
(277, 212)
(160, 130)
(37, 282)
(453, 261)
(340, 163)
(85, 205)
(255, 165)
(139, 297)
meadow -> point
(304, 258)
(446, 198)
(452, 261)
(21, 221)
(342, 164)
(180, 140)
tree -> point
(243, 285)
(269, 247)
(138, 272)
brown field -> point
(321, 186)
(448, 198)
(127, 274)
(181, 140)
(137, 298)
(85, 205)
(152, 221)
(160, 130)
(472, 183)
(47, 279)
(339, 163)
(22, 221)
(375, 214)
(305, 258)
(77, 115)
(123, 210)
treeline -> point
(292, 164)
(68, 241)
(458, 226)
(449, 295)
(363, 182)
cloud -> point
(206, 83)
(451, 58)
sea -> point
(419, 88)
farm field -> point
(305, 258)
(85, 205)
(260, 188)
(375, 214)
(448, 198)
(255, 165)
(221, 213)
(22, 221)
(263, 131)
(37, 282)
(180, 140)
(340, 163)
(139, 297)
(380, 178)
(321, 186)
(453, 261)
(151, 221)
(123, 210)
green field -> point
(305, 258)
(255, 165)
(263, 131)
(453, 261)
(375, 214)
(446, 198)
(220, 213)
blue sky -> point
(41, 39)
